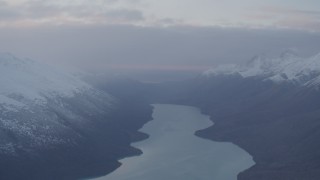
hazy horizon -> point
(135, 36)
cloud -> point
(20, 13)
(289, 11)
(7, 13)
(288, 17)
(61, 12)
(125, 14)
(127, 47)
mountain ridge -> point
(288, 67)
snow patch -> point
(24, 80)
(10, 104)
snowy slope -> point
(26, 80)
(42, 107)
(286, 68)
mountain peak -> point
(287, 67)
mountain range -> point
(56, 126)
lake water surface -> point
(173, 152)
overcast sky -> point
(297, 14)
(157, 34)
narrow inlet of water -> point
(173, 152)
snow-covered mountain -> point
(286, 68)
(42, 107)
(268, 106)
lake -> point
(173, 152)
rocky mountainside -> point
(269, 107)
(55, 126)
(42, 107)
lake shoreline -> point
(192, 143)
